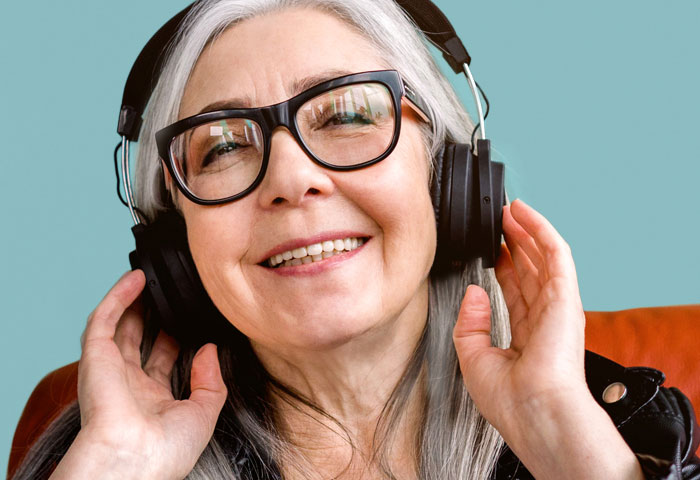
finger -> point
(517, 234)
(207, 385)
(159, 365)
(528, 276)
(517, 308)
(102, 322)
(555, 251)
(472, 332)
(129, 334)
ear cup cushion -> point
(462, 203)
(443, 177)
(456, 206)
(437, 182)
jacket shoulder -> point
(50, 397)
(657, 423)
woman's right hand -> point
(131, 426)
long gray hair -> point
(454, 440)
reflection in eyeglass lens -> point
(221, 158)
(349, 125)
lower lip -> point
(315, 268)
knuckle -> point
(99, 315)
(558, 249)
(566, 247)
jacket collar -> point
(641, 384)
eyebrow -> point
(297, 87)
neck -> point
(352, 383)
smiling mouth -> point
(316, 252)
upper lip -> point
(305, 241)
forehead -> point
(270, 58)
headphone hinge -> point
(129, 123)
(456, 55)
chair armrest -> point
(51, 396)
(665, 338)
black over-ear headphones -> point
(467, 192)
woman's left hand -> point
(545, 359)
(535, 392)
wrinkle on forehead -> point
(283, 63)
(297, 86)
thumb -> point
(207, 385)
(472, 332)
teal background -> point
(594, 111)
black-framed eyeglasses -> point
(346, 123)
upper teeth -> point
(315, 252)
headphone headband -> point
(146, 69)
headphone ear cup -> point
(173, 289)
(470, 207)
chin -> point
(329, 330)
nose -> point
(292, 177)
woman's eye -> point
(218, 151)
(349, 119)
(224, 149)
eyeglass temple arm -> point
(415, 102)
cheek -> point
(218, 239)
(396, 195)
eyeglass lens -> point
(346, 126)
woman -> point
(353, 365)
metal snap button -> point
(614, 392)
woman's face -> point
(323, 304)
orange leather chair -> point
(666, 338)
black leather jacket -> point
(657, 423)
